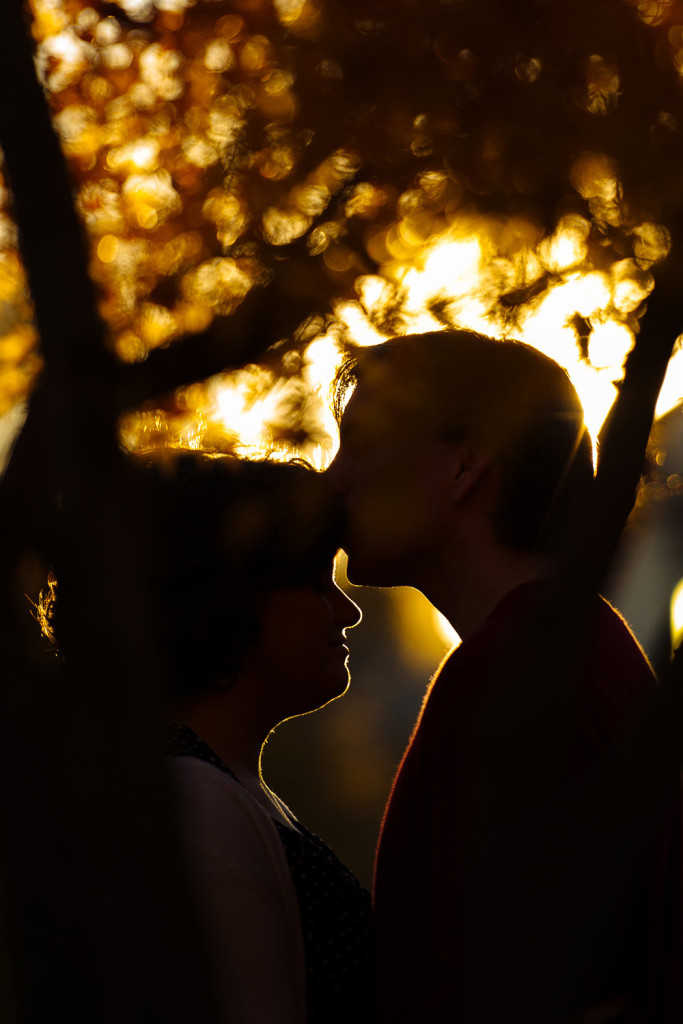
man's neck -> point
(467, 592)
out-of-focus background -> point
(326, 175)
(335, 766)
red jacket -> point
(447, 927)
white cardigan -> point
(245, 895)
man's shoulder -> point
(613, 635)
(619, 676)
(605, 651)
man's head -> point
(439, 421)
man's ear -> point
(470, 465)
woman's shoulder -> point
(240, 876)
(206, 784)
(220, 821)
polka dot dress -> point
(335, 914)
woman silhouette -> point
(253, 625)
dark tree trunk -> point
(99, 925)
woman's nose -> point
(348, 613)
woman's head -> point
(242, 572)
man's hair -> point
(504, 396)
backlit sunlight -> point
(180, 203)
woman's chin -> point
(324, 695)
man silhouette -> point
(465, 466)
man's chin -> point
(365, 569)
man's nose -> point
(339, 474)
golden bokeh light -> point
(20, 360)
(183, 130)
(677, 614)
(567, 247)
(671, 393)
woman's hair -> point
(225, 532)
(506, 396)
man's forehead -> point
(375, 414)
(387, 402)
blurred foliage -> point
(392, 165)
(19, 359)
